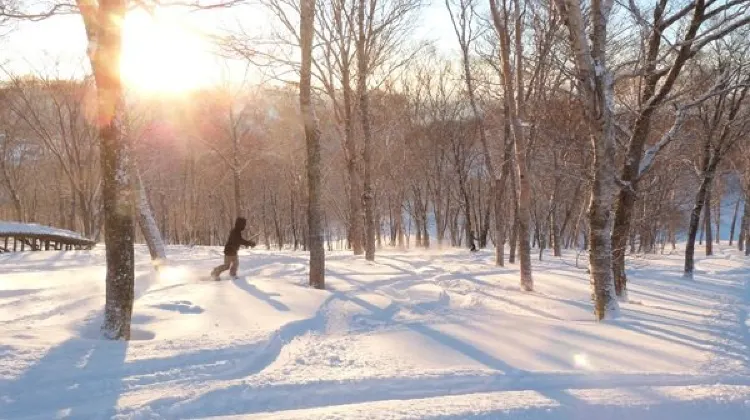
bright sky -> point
(165, 52)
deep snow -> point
(417, 334)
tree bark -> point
(745, 229)
(744, 226)
(312, 138)
(596, 85)
(364, 115)
(148, 226)
(707, 227)
(734, 221)
(516, 114)
(695, 218)
(104, 33)
(352, 166)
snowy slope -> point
(414, 335)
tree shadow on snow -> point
(243, 284)
(79, 378)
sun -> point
(161, 55)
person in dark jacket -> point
(235, 240)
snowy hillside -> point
(414, 335)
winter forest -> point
(531, 153)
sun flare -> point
(161, 55)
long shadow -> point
(4, 294)
(259, 294)
(51, 388)
(254, 399)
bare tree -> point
(655, 72)
(724, 120)
(515, 102)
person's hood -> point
(240, 223)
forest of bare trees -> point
(611, 128)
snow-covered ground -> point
(416, 334)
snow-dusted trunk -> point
(368, 197)
(316, 237)
(148, 225)
(104, 32)
(596, 86)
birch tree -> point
(514, 96)
(595, 85)
(102, 21)
(312, 138)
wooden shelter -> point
(16, 236)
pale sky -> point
(169, 54)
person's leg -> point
(221, 268)
(234, 265)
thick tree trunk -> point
(148, 226)
(312, 138)
(104, 31)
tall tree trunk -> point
(148, 225)
(709, 164)
(237, 190)
(744, 241)
(104, 33)
(364, 115)
(596, 85)
(707, 223)
(734, 220)
(744, 223)
(695, 217)
(312, 138)
(718, 194)
(516, 114)
(356, 237)
(499, 225)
